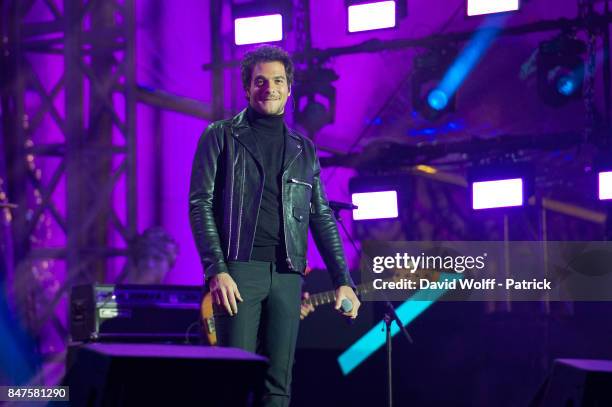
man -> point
(255, 190)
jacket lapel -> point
(293, 148)
(242, 132)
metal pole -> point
(74, 130)
(158, 136)
(388, 322)
(216, 41)
(606, 77)
(130, 116)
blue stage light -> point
(449, 72)
(567, 85)
(375, 338)
(437, 99)
(560, 70)
(473, 52)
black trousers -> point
(267, 323)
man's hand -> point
(306, 308)
(344, 291)
(225, 292)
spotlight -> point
(437, 99)
(567, 84)
(560, 70)
(257, 22)
(480, 7)
(447, 70)
(369, 15)
(429, 68)
(499, 186)
(315, 98)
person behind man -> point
(155, 255)
(255, 189)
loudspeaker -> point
(577, 382)
(113, 374)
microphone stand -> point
(337, 210)
(390, 314)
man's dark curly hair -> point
(264, 53)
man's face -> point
(269, 89)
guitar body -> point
(208, 320)
(207, 314)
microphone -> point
(346, 305)
(335, 205)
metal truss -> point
(96, 41)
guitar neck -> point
(330, 296)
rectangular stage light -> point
(375, 205)
(371, 16)
(255, 30)
(480, 7)
(497, 194)
(605, 185)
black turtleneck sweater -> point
(269, 132)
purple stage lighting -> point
(371, 16)
(375, 205)
(605, 185)
(497, 194)
(255, 30)
(479, 7)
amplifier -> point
(135, 313)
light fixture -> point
(605, 185)
(260, 22)
(428, 99)
(383, 203)
(373, 15)
(497, 194)
(560, 70)
(260, 29)
(603, 171)
(480, 7)
(315, 98)
(375, 205)
(497, 186)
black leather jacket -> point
(227, 183)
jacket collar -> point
(293, 147)
(241, 130)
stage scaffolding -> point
(95, 151)
(94, 175)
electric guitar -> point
(327, 297)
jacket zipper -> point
(231, 209)
(297, 181)
(241, 207)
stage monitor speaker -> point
(112, 374)
(577, 383)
